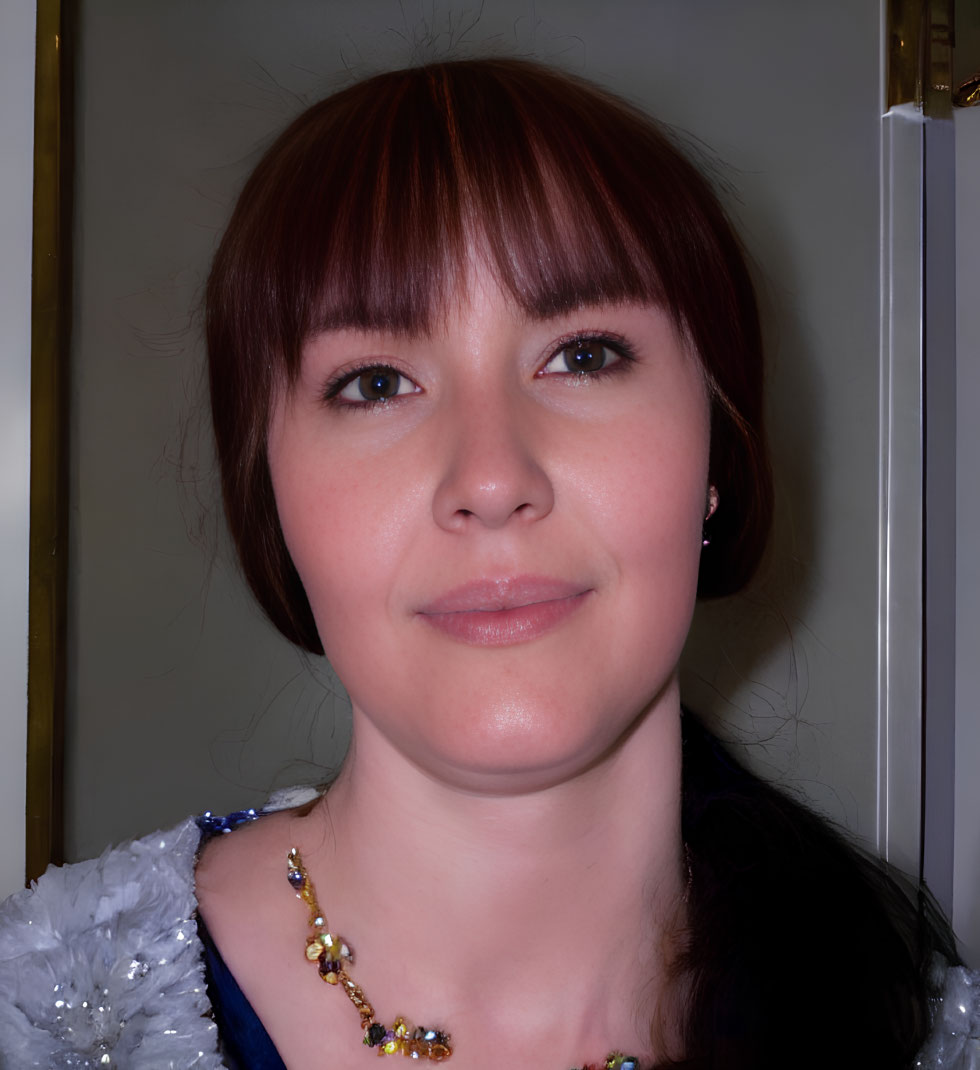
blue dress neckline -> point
(245, 1042)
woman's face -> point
(498, 526)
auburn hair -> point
(363, 213)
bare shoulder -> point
(244, 864)
(252, 916)
(241, 847)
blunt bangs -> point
(379, 193)
(366, 211)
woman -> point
(486, 387)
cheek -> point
(648, 490)
(341, 534)
(349, 523)
(650, 508)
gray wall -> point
(17, 134)
(181, 697)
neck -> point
(464, 906)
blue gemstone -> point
(295, 878)
(215, 825)
(207, 822)
(240, 817)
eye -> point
(365, 386)
(582, 357)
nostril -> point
(519, 510)
(491, 489)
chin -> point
(521, 747)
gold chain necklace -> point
(332, 955)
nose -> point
(494, 474)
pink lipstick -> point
(506, 611)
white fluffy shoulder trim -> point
(101, 966)
(955, 1040)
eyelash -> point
(617, 344)
(343, 379)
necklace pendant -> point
(331, 955)
(615, 1060)
(405, 1039)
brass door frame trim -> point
(50, 329)
(920, 55)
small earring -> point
(710, 507)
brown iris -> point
(376, 384)
(585, 357)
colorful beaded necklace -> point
(332, 955)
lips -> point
(501, 612)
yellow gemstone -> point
(403, 1028)
(334, 945)
(391, 1046)
(313, 949)
(331, 978)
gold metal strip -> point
(920, 55)
(966, 55)
(50, 322)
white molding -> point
(939, 503)
(966, 857)
(900, 491)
